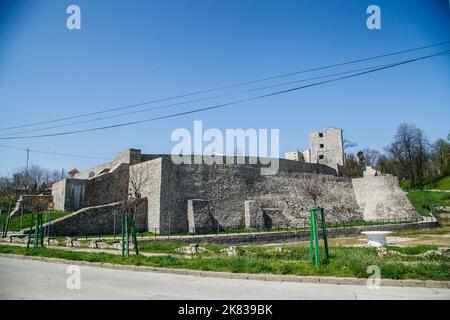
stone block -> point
(254, 216)
(199, 216)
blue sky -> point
(132, 51)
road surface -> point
(22, 279)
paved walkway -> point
(91, 250)
(21, 279)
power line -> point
(230, 103)
(228, 87)
(114, 116)
(191, 101)
(315, 78)
(28, 150)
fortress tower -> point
(325, 147)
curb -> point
(241, 276)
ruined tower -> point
(327, 147)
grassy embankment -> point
(438, 184)
(15, 223)
(421, 199)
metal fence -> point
(303, 226)
(219, 230)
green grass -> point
(344, 261)
(438, 184)
(405, 184)
(441, 183)
(14, 223)
(420, 200)
(160, 247)
(4, 203)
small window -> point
(320, 134)
(321, 145)
(321, 157)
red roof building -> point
(73, 172)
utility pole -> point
(26, 170)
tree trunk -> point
(8, 216)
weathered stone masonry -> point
(205, 198)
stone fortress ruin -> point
(206, 198)
(325, 147)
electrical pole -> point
(26, 170)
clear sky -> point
(133, 51)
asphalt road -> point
(21, 279)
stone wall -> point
(288, 236)
(73, 194)
(380, 197)
(294, 155)
(97, 220)
(227, 187)
(150, 173)
(199, 216)
(108, 187)
(69, 194)
(253, 215)
(129, 156)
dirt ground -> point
(436, 236)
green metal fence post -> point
(48, 227)
(123, 235)
(42, 233)
(324, 231)
(21, 216)
(127, 236)
(36, 231)
(133, 234)
(31, 229)
(316, 240)
(311, 252)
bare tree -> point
(36, 179)
(421, 153)
(313, 187)
(352, 166)
(371, 156)
(440, 158)
(349, 144)
(410, 153)
(138, 177)
(401, 150)
(10, 191)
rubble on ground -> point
(192, 249)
